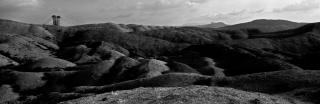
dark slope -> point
(141, 40)
(298, 47)
(136, 44)
(264, 25)
(312, 27)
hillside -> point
(265, 25)
(133, 64)
(142, 40)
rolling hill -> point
(263, 61)
(265, 25)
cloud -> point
(195, 2)
(8, 8)
(228, 17)
(237, 12)
(156, 5)
(121, 16)
(155, 12)
(305, 5)
(258, 11)
(28, 3)
(19, 3)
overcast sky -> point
(159, 12)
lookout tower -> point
(56, 20)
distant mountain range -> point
(263, 25)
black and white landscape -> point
(263, 61)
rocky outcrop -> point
(104, 47)
(180, 67)
(166, 80)
(151, 68)
(22, 49)
(204, 65)
(5, 61)
(185, 95)
(49, 63)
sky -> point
(159, 12)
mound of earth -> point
(28, 30)
(25, 42)
(183, 95)
(166, 80)
(48, 63)
(5, 61)
(181, 67)
(23, 49)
